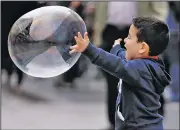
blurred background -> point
(83, 97)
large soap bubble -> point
(39, 41)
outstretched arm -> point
(115, 65)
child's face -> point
(134, 49)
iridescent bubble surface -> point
(39, 41)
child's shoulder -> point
(153, 70)
(145, 65)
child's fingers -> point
(86, 36)
(74, 47)
(76, 39)
(118, 40)
(73, 51)
(80, 36)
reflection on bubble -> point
(39, 41)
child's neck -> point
(151, 57)
(147, 57)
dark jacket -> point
(143, 80)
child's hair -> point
(154, 32)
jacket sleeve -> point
(114, 62)
(118, 51)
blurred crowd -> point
(106, 22)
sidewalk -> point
(46, 107)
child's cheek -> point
(127, 44)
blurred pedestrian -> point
(171, 55)
(78, 69)
(11, 11)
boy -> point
(141, 72)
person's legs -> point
(8, 66)
(17, 86)
(71, 75)
(20, 76)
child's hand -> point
(81, 43)
(117, 42)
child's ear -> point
(144, 48)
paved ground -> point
(42, 106)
